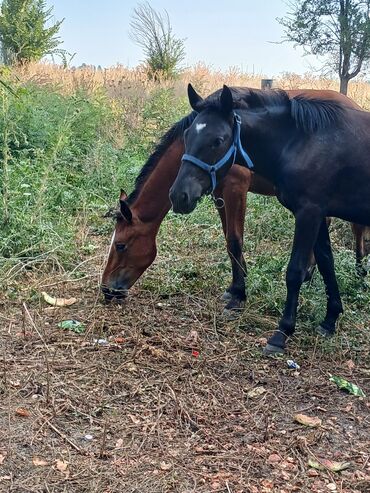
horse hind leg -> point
(359, 233)
(307, 225)
(312, 262)
(325, 263)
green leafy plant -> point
(24, 32)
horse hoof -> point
(231, 313)
(324, 332)
(226, 296)
(271, 350)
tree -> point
(337, 29)
(24, 34)
(153, 32)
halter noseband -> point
(234, 148)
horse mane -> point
(312, 114)
(175, 132)
(309, 114)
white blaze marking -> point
(200, 126)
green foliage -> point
(24, 32)
(61, 167)
(153, 32)
(337, 29)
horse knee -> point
(295, 277)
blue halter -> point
(235, 147)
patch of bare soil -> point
(162, 395)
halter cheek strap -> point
(232, 152)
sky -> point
(221, 34)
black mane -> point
(175, 132)
(309, 114)
(312, 115)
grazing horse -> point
(133, 246)
(314, 150)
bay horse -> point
(133, 246)
(315, 151)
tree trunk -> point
(343, 85)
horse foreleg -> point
(233, 191)
(307, 224)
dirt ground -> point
(164, 395)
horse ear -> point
(226, 99)
(123, 195)
(125, 210)
(194, 98)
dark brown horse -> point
(133, 246)
(314, 150)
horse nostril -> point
(184, 198)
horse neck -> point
(265, 137)
(152, 202)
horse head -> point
(132, 251)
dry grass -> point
(120, 81)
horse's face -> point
(132, 251)
(208, 139)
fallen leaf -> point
(58, 301)
(267, 483)
(348, 386)
(36, 461)
(119, 340)
(331, 487)
(61, 466)
(119, 443)
(195, 353)
(312, 422)
(350, 364)
(256, 392)
(26, 334)
(273, 459)
(165, 466)
(192, 337)
(73, 325)
(20, 411)
(329, 465)
(134, 419)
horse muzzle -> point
(182, 203)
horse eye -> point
(218, 141)
(120, 247)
